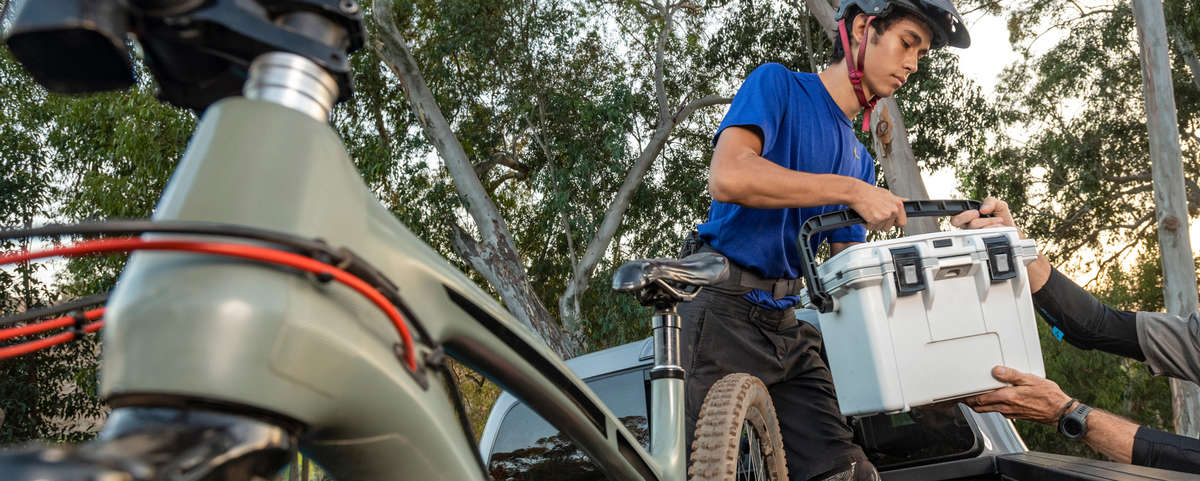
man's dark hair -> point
(880, 24)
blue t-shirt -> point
(802, 129)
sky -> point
(983, 61)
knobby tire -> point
(737, 435)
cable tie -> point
(347, 258)
(436, 357)
(77, 329)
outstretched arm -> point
(1084, 321)
(1039, 269)
(1033, 398)
(1040, 400)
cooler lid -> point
(874, 259)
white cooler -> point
(959, 306)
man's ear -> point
(858, 31)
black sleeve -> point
(1085, 322)
(1156, 449)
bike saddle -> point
(657, 281)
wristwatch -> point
(1074, 423)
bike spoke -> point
(751, 465)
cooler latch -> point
(910, 272)
(1000, 258)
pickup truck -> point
(933, 444)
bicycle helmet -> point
(940, 15)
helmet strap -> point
(856, 70)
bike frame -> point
(195, 330)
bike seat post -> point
(663, 283)
(667, 362)
(666, 390)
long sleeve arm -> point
(1158, 449)
(1085, 322)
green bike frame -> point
(197, 329)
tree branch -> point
(616, 209)
(1186, 50)
(398, 57)
(495, 256)
(823, 11)
(699, 103)
(1140, 229)
(660, 45)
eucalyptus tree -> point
(544, 121)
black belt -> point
(742, 280)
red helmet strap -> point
(856, 71)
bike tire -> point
(737, 435)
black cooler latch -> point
(1000, 258)
(910, 272)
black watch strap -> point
(1074, 423)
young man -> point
(1167, 343)
(784, 152)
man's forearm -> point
(1110, 435)
(837, 247)
(759, 183)
(1086, 322)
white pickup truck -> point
(952, 443)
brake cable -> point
(379, 294)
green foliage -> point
(66, 159)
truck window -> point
(529, 448)
(923, 435)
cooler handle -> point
(847, 217)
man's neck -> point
(837, 81)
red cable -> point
(47, 325)
(28, 347)
(241, 251)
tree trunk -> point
(495, 255)
(1188, 51)
(892, 150)
(1179, 274)
(890, 141)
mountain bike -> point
(272, 304)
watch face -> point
(1072, 428)
(1074, 424)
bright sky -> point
(989, 53)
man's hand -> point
(879, 207)
(973, 219)
(1039, 269)
(1030, 397)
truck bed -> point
(1031, 466)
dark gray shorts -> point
(724, 333)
